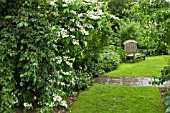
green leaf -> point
(7, 17)
(7, 89)
(21, 24)
(25, 24)
(76, 48)
(68, 78)
(167, 100)
(167, 110)
(68, 40)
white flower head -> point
(69, 64)
(100, 12)
(86, 3)
(59, 60)
(64, 5)
(28, 105)
(53, 27)
(57, 98)
(72, 29)
(89, 26)
(84, 32)
(73, 80)
(69, 1)
(80, 15)
(92, 1)
(51, 104)
(75, 42)
(114, 17)
(85, 43)
(94, 17)
(72, 36)
(64, 33)
(52, 3)
(66, 73)
(62, 83)
(73, 12)
(63, 103)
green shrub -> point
(40, 44)
(104, 62)
(109, 61)
(165, 76)
(93, 65)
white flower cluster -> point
(28, 105)
(85, 43)
(59, 59)
(73, 81)
(52, 81)
(63, 32)
(72, 36)
(114, 17)
(73, 12)
(69, 1)
(59, 76)
(14, 97)
(88, 2)
(64, 5)
(94, 14)
(88, 26)
(82, 28)
(66, 73)
(63, 103)
(93, 1)
(75, 42)
(84, 32)
(68, 61)
(66, 58)
(51, 104)
(52, 2)
(57, 98)
(62, 83)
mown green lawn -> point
(118, 99)
(124, 99)
(148, 68)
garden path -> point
(127, 81)
(131, 81)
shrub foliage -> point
(42, 45)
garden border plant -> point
(43, 44)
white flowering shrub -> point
(41, 43)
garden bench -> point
(130, 48)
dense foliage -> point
(117, 7)
(153, 17)
(165, 76)
(43, 44)
(103, 62)
(145, 21)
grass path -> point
(118, 99)
(148, 68)
(102, 98)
